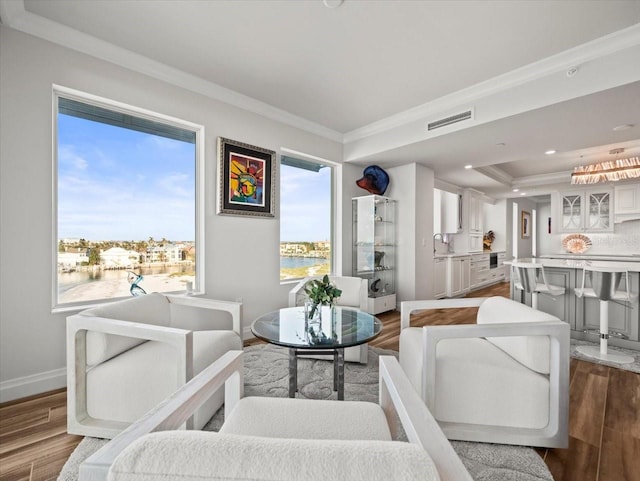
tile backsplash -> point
(625, 240)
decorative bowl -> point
(576, 243)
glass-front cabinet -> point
(374, 255)
(586, 211)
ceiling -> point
(358, 72)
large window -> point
(125, 203)
(305, 218)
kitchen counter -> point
(603, 257)
(583, 313)
(440, 255)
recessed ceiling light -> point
(550, 152)
(523, 193)
(501, 144)
(516, 190)
(618, 128)
(468, 166)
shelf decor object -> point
(247, 179)
(576, 243)
(374, 180)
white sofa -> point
(123, 358)
(354, 294)
(502, 380)
(281, 438)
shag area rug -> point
(266, 374)
(633, 366)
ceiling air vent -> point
(450, 120)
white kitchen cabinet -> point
(585, 211)
(458, 276)
(447, 212)
(439, 277)
(475, 212)
(481, 272)
(627, 202)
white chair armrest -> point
(293, 293)
(397, 394)
(173, 411)
(233, 308)
(77, 327)
(408, 307)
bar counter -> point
(583, 314)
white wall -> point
(524, 245)
(412, 187)
(32, 338)
(494, 217)
(545, 239)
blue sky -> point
(305, 206)
(119, 184)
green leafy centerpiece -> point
(321, 292)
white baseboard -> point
(247, 334)
(34, 384)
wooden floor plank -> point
(587, 398)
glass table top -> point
(338, 327)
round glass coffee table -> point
(338, 328)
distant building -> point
(119, 258)
(73, 257)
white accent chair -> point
(604, 286)
(280, 438)
(354, 294)
(502, 380)
(528, 280)
(124, 357)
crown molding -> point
(495, 173)
(543, 179)
(14, 15)
(462, 99)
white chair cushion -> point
(150, 370)
(532, 351)
(211, 456)
(148, 309)
(350, 287)
(307, 419)
(469, 373)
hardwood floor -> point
(604, 418)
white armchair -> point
(280, 438)
(354, 294)
(503, 380)
(123, 358)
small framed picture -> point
(525, 224)
(247, 179)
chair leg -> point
(604, 326)
(603, 352)
(534, 300)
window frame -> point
(199, 186)
(335, 211)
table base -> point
(338, 368)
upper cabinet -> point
(474, 212)
(447, 212)
(585, 211)
(627, 202)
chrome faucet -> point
(434, 240)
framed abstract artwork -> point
(526, 225)
(247, 179)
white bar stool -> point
(604, 286)
(526, 279)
